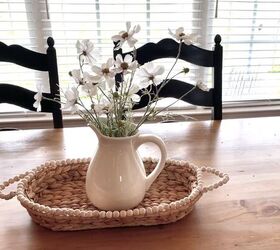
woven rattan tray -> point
(54, 196)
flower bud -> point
(116, 95)
(185, 70)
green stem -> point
(53, 100)
(176, 60)
(87, 111)
(148, 111)
(166, 81)
(104, 94)
(81, 63)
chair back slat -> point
(168, 48)
(23, 57)
(23, 97)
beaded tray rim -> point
(181, 206)
(66, 212)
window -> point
(249, 29)
(251, 35)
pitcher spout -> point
(96, 130)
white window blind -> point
(99, 20)
(15, 28)
(249, 30)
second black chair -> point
(168, 48)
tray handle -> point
(7, 183)
(224, 179)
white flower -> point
(106, 72)
(125, 64)
(179, 35)
(76, 75)
(103, 106)
(148, 74)
(133, 96)
(38, 97)
(90, 84)
(87, 82)
(85, 49)
(126, 36)
(202, 86)
(130, 91)
(71, 96)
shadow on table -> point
(144, 237)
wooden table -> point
(244, 214)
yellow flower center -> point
(105, 71)
(125, 35)
(124, 66)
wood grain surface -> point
(243, 214)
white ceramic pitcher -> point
(116, 177)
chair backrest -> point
(168, 48)
(23, 97)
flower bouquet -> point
(105, 96)
(107, 103)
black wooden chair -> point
(168, 48)
(23, 97)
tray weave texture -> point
(54, 196)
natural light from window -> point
(250, 33)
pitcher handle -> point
(161, 163)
